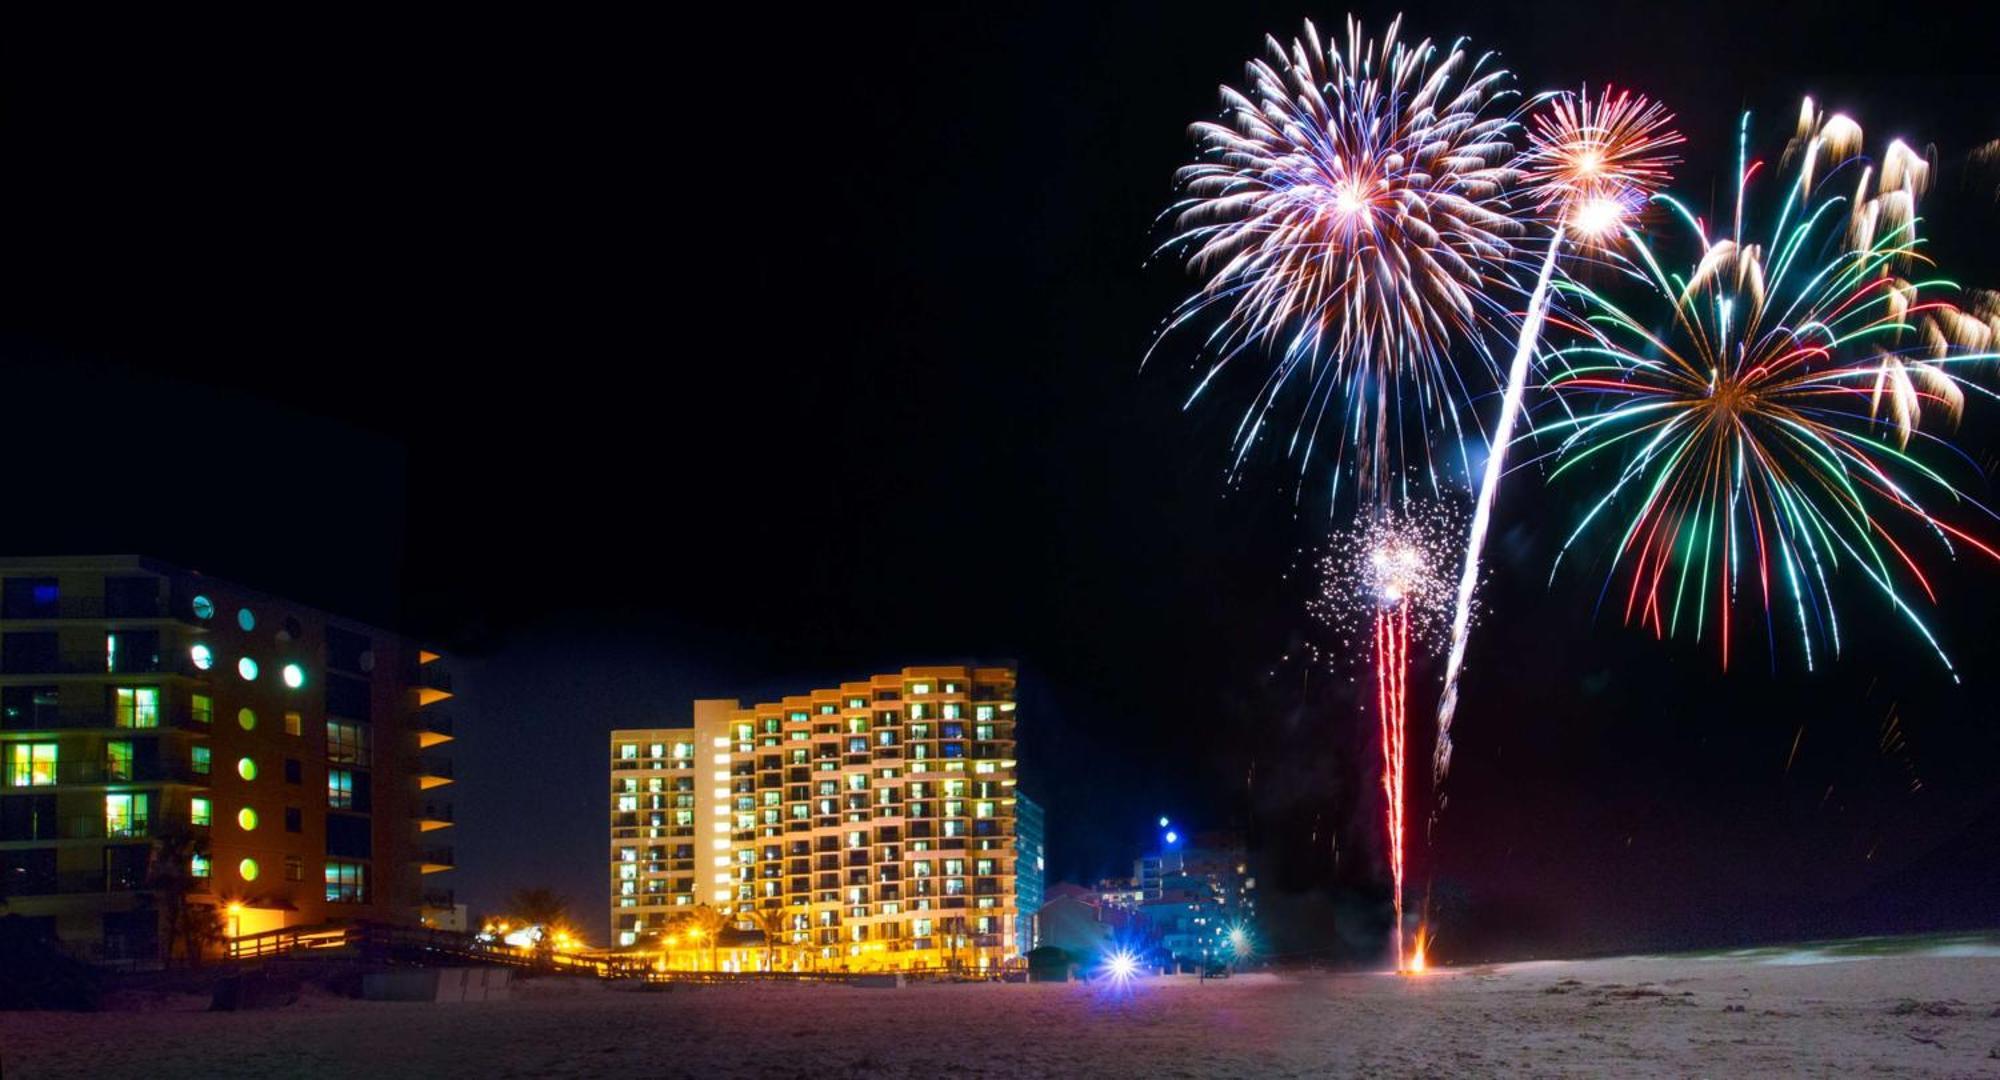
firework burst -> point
(1586, 156)
(1762, 403)
(1390, 560)
(1590, 166)
(1349, 217)
(1387, 577)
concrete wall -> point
(439, 984)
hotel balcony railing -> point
(648, 763)
(440, 813)
(434, 720)
(91, 607)
(80, 719)
(434, 677)
(95, 827)
(439, 856)
(58, 884)
(100, 772)
(440, 898)
(430, 766)
(42, 664)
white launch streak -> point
(1489, 487)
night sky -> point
(636, 363)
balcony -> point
(436, 860)
(440, 898)
(432, 772)
(103, 772)
(82, 719)
(90, 607)
(93, 664)
(434, 816)
(433, 683)
(434, 727)
(68, 884)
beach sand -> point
(1936, 1013)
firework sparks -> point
(1387, 573)
(1590, 165)
(1348, 215)
(1764, 402)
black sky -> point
(639, 362)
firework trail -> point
(1348, 216)
(1388, 573)
(1764, 402)
(1590, 165)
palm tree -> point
(773, 921)
(954, 931)
(706, 924)
(540, 906)
(548, 909)
(170, 875)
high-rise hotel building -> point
(879, 817)
(152, 717)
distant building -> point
(879, 817)
(1030, 831)
(1071, 922)
(1194, 890)
(158, 726)
(1124, 893)
(1148, 873)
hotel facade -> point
(161, 730)
(872, 825)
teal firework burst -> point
(1760, 416)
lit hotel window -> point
(346, 882)
(339, 791)
(247, 668)
(198, 811)
(247, 869)
(246, 719)
(246, 768)
(203, 708)
(246, 618)
(295, 676)
(204, 608)
(137, 706)
(202, 655)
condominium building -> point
(1195, 891)
(161, 730)
(878, 818)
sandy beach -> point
(1931, 1013)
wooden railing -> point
(384, 943)
(406, 944)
